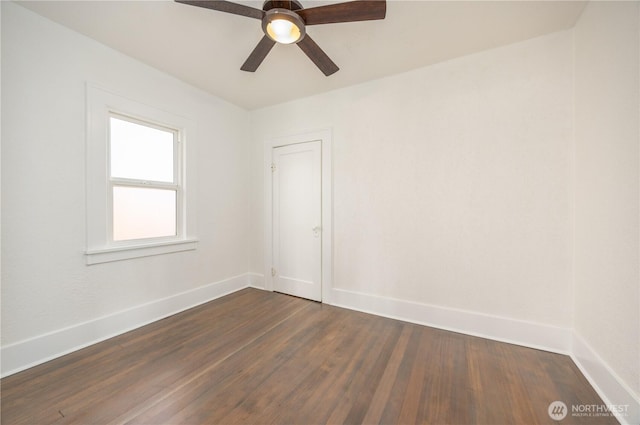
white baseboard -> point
(605, 381)
(528, 334)
(37, 350)
(256, 280)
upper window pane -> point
(141, 152)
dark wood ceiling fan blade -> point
(359, 10)
(226, 6)
(259, 53)
(317, 56)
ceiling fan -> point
(285, 22)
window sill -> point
(97, 256)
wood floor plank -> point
(413, 393)
(399, 391)
(261, 357)
(383, 395)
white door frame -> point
(327, 230)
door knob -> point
(316, 231)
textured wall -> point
(46, 285)
(607, 176)
(451, 182)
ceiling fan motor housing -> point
(280, 4)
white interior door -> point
(297, 219)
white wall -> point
(607, 176)
(451, 182)
(46, 285)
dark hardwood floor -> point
(257, 357)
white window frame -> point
(175, 185)
(101, 248)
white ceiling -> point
(206, 48)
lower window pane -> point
(140, 213)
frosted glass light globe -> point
(283, 31)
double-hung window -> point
(144, 180)
(139, 171)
